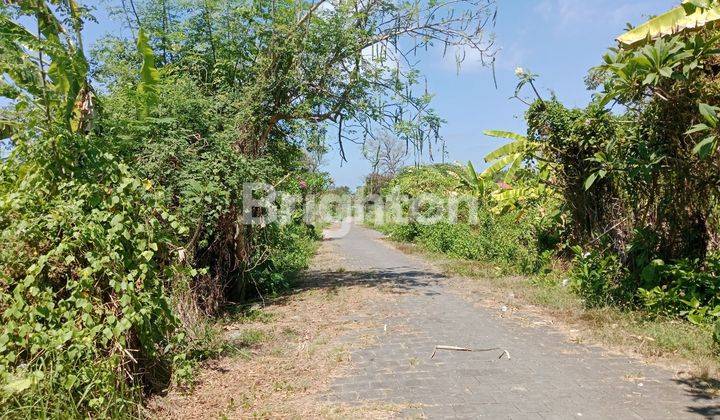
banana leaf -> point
(508, 149)
(671, 22)
(500, 164)
(149, 74)
(505, 135)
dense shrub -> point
(407, 232)
(597, 278)
(573, 139)
(120, 236)
(87, 254)
(187, 149)
(638, 188)
(514, 241)
(499, 241)
(289, 250)
(121, 207)
(687, 287)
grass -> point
(250, 337)
(670, 342)
(294, 349)
(246, 314)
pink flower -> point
(303, 185)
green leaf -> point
(696, 319)
(698, 128)
(107, 333)
(149, 74)
(605, 99)
(706, 147)
(672, 22)
(18, 386)
(693, 303)
(666, 72)
(651, 273)
(499, 165)
(70, 381)
(505, 135)
(510, 148)
(590, 181)
(709, 113)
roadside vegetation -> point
(615, 203)
(123, 171)
(287, 353)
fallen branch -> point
(465, 349)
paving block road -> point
(547, 377)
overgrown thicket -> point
(514, 242)
(629, 193)
(640, 188)
(637, 189)
(121, 213)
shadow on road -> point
(402, 280)
(398, 279)
(702, 390)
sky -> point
(560, 40)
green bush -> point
(121, 207)
(289, 250)
(516, 241)
(401, 232)
(687, 288)
(596, 278)
(87, 253)
(498, 240)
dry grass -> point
(686, 348)
(290, 351)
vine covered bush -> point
(88, 251)
(635, 189)
(512, 241)
(121, 207)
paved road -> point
(546, 378)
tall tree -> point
(386, 153)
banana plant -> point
(692, 14)
(510, 156)
(514, 192)
(470, 179)
(49, 67)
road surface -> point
(547, 377)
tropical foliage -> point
(691, 14)
(515, 241)
(629, 195)
(637, 191)
(121, 207)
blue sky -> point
(558, 39)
